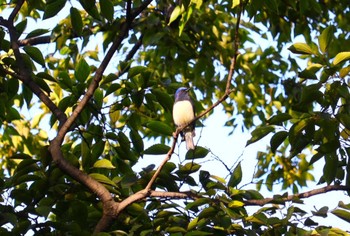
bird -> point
(183, 113)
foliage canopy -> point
(84, 84)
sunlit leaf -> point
(341, 57)
(82, 70)
(178, 10)
(104, 163)
(301, 48)
(326, 37)
(102, 179)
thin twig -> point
(282, 200)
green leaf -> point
(35, 54)
(198, 152)
(344, 72)
(37, 32)
(326, 37)
(164, 99)
(277, 139)
(42, 84)
(259, 133)
(77, 22)
(90, 7)
(21, 26)
(235, 204)
(136, 70)
(316, 157)
(297, 128)
(341, 57)
(104, 163)
(107, 9)
(235, 3)
(236, 176)
(97, 149)
(178, 10)
(114, 114)
(46, 76)
(102, 179)
(82, 70)
(301, 48)
(310, 71)
(279, 118)
(52, 7)
(136, 140)
(160, 127)
(330, 168)
(157, 149)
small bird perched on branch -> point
(183, 113)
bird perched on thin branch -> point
(183, 113)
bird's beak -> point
(187, 89)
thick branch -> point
(262, 202)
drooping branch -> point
(281, 200)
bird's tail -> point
(189, 140)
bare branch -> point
(34, 41)
(15, 11)
(262, 202)
(172, 195)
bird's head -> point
(182, 94)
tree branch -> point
(110, 207)
(34, 41)
(262, 202)
(227, 92)
(24, 72)
(99, 72)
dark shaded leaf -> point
(198, 152)
(279, 118)
(107, 9)
(76, 20)
(236, 176)
(157, 149)
(160, 127)
(277, 139)
(259, 133)
(52, 7)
